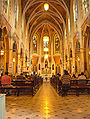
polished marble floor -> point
(46, 104)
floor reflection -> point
(46, 104)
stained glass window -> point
(35, 44)
(57, 44)
(5, 5)
(85, 5)
(78, 46)
(75, 13)
(45, 41)
(15, 13)
(45, 44)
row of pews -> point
(22, 86)
(77, 87)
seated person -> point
(73, 77)
(65, 79)
(5, 80)
(81, 77)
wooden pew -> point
(76, 86)
(19, 86)
(80, 86)
(16, 89)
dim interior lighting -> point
(2, 52)
(46, 49)
(46, 56)
(46, 6)
(13, 59)
(45, 38)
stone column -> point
(19, 58)
(10, 69)
(72, 38)
(82, 52)
(52, 50)
(40, 45)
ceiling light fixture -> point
(46, 6)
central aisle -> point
(46, 104)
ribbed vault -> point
(34, 14)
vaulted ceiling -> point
(35, 15)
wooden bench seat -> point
(80, 88)
(17, 89)
(76, 86)
(23, 86)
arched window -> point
(45, 41)
(5, 6)
(85, 5)
(35, 44)
(77, 44)
(15, 9)
(57, 44)
(14, 47)
(75, 13)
